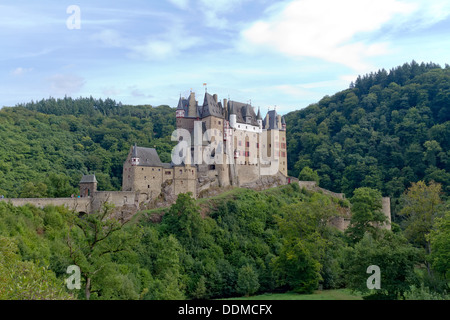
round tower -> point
(233, 119)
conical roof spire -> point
(258, 116)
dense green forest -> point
(387, 130)
(240, 243)
(48, 145)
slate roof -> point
(90, 178)
(211, 107)
(241, 110)
(148, 157)
(271, 122)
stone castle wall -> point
(76, 204)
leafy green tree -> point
(422, 204)
(201, 290)
(32, 190)
(392, 254)
(308, 174)
(92, 239)
(439, 240)
(247, 282)
(366, 214)
(306, 235)
(25, 280)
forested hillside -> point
(242, 242)
(46, 146)
(390, 128)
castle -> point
(220, 145)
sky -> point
(282, 55)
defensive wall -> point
(128, 202)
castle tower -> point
(134, 157)
(192, 106)
(180, 113)
(88, 185)
(233, 119)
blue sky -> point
(283, 54)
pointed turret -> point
(181, 112)
(258, 116)
(259, 119)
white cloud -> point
(109, 38)
(164, 46)
(138, 93)
(65, 83)
(215, 11)
(111, 91)
(20, 71)
(335, 31)
(182, 4)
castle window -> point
(283, 154)
(142, 169)
(148, 186)
(167, 172)
(247, 144)
(212, 167)
(257, 145)
(153, 169)
(220, 122)
(181, 171)
(145, 178)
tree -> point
(439, 239)
(392, 254)
(25, 280)
(308, 174)
(366, 214)
(422, 204)
(247, 282)
(306, 235)
(92, 239)
(200, 291)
